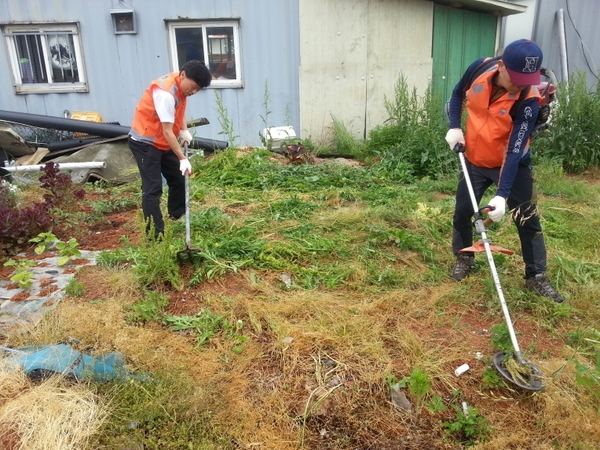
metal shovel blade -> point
(189, 255)
(532, 382)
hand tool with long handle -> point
(187, 255)
(531, 379)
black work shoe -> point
(172, 217)
(541, 285)
(462, 267)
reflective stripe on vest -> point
(489, 126)
(147, 126)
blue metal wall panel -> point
(582, 36)
(120, 66)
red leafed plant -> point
(19, 224)
(62, 194)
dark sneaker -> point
(541, 285)
(172, 217)
(462, 267)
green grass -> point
(159, 414)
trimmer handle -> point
(486, 209)
(459, 148)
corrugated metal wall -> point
(352, 56)
(119, 67)
(582, 36)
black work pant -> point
(152, 163)
(522, 203)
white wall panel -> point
(333, 59)
(352, 56)
(400, 39)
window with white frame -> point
(215, 43)
(45, 58)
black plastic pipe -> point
(208, 144)
(71, 143)
(60, 123)
(93, 128)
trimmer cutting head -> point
(531, 379)
(479, 247)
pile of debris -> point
(82, 143)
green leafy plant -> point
(412, 134)
(205, 324)
(122, 203)
(239, 339)
(491, 378)
(44, 241)
(572, 137)
(155, 261)
(150, 308)
(225, 251)
(75, 288)
(501, 338)
(435, 404)
(67, 251)
(468, 426)
(419, 385)
(292, 208)
(212, 267)
(21, 275)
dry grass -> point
(314, 369)
(50, 416)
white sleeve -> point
(164, 103)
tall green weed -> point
(413, 135)
(344, 141)
(573, 137)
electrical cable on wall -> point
(583, 46)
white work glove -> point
(455, 136)
(499, 205)
(185, 137)
(185, 166)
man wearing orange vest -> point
(158, 122)
(497, 152)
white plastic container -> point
(278, 135)
(461, 369)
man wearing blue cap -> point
(497, 152)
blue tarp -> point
(62, 359)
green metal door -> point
(459, 38)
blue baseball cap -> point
(523, 59)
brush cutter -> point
(520, 372)
(187, 255)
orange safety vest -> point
(489, 126)
(147, 126)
